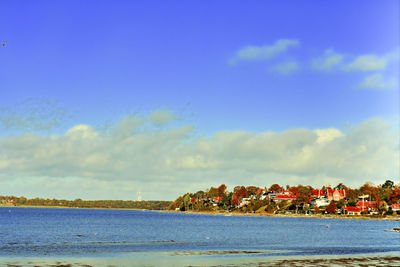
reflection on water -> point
(46, 232)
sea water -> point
(96, 233)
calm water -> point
(46, 232)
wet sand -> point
(165, 259)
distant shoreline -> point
(66, 207)
(223, 213)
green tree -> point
(212, 192)
(388, 184)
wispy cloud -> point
(372, 62)
(285, 68)
(366, 63)
(32, 115)
(328, 61)
(143, 158)
(265, 52)
(379, 67)
(162, 116)
(377, 81)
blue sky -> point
(226, 66)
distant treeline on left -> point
(79, 203)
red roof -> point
(341, 192)
(284, 197)
(352, 209)
(371, 204)
(318, 192)
(217, 198)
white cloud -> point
(383, 66)
(163, 163)
(372, 62)
(328, 61)
(266, 52)
(367, 63)
(161, 116)
(327, 135)
(285, 68)
(377, 81)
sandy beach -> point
(190, 260)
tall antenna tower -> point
(139, 197)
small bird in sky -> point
(4, 44)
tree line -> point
(219, 198)
(79, 203)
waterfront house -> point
(282, 197)
(395, 207)
(370, 205)
(335, 194)
(352, 210)
(217, 199)
(318, 193)
(320, 202)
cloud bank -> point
(164, 162)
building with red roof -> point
(217, 199)
(318, 193)
(395, 207)
(370, 205)
(335, 194)
(282, 197)
(354, 210)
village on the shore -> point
(369, 199)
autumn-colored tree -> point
(383, 193)
(351, 194)
(293, 189)
(275, 188)
(212, 192)
(252, 190)
(240, 192)
(199, 194)
(395, 195)
(235, 201)
(331, 208)
(369, 189)
(340, 186)
(317, 210)
(221, 190)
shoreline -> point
(224, 213)
(66, 207)
(311, 216)
(157, 259)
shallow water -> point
(85, 233)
